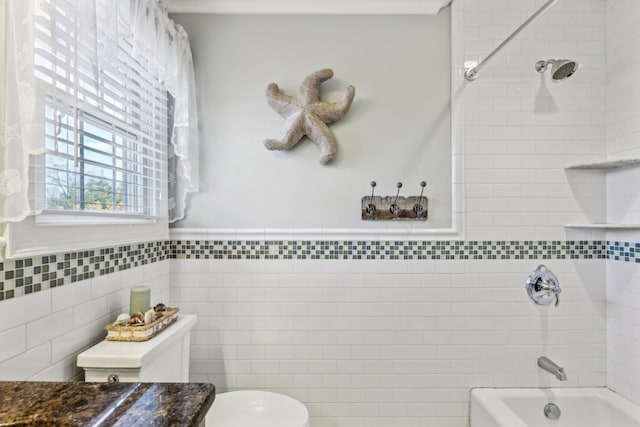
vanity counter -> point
(24, 403)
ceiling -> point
(367, 7)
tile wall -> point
(390, 342)
(56, 306)
(623, 140)
(521, 129)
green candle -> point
(140, 299)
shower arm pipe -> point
(472, 73)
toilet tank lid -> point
(116, 354)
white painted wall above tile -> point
(398, 128)
(360, 7)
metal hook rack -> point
(394, 208)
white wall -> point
(623, 139)
(399, 343)
(398, 128)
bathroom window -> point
(113, 171)
(92, 152)
(106, 124)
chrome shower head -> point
(561, 69)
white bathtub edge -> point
(480, 415)
(489, 409)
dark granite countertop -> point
(24, 403)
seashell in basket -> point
(137, 319)
(143, 332)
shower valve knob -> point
(543, 287)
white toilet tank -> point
(163, 358)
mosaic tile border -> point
(385, 250)
(623, 251)
(24, 276)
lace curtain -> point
(21, 131)
(142, 23)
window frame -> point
(58, 230)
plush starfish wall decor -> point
(306, 115)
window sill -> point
(47, 218)
(28, 238)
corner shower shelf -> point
(606, 164)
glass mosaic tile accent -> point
(623, 251)
(24, 276)
(385, 250)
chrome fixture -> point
(471, 73)
(543, 286)
(394, 209)
(555, 370)
(552, 411)
(561, 69)
(371, 208)
(417, 208)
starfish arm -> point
(330, 113)
(310, 89)
(294, 130)
(284, 105)
(321, 135)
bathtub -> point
(521, 407)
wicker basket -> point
(143, 332)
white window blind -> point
(106, 119)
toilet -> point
(249, 408)
(165, 358)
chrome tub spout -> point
(548, 365)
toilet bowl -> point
(251, 408)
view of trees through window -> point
(103, 171)
(65, 192)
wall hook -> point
(417, 208)
(371, 208)
(394, 207)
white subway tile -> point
(86, 312)
(129, 278)
(69, 295)
(156, 270)
(104, 285)
(19, 311)
(63, 370)
(49, 327)
(14, 342)
(70, 343)
(26, 365)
